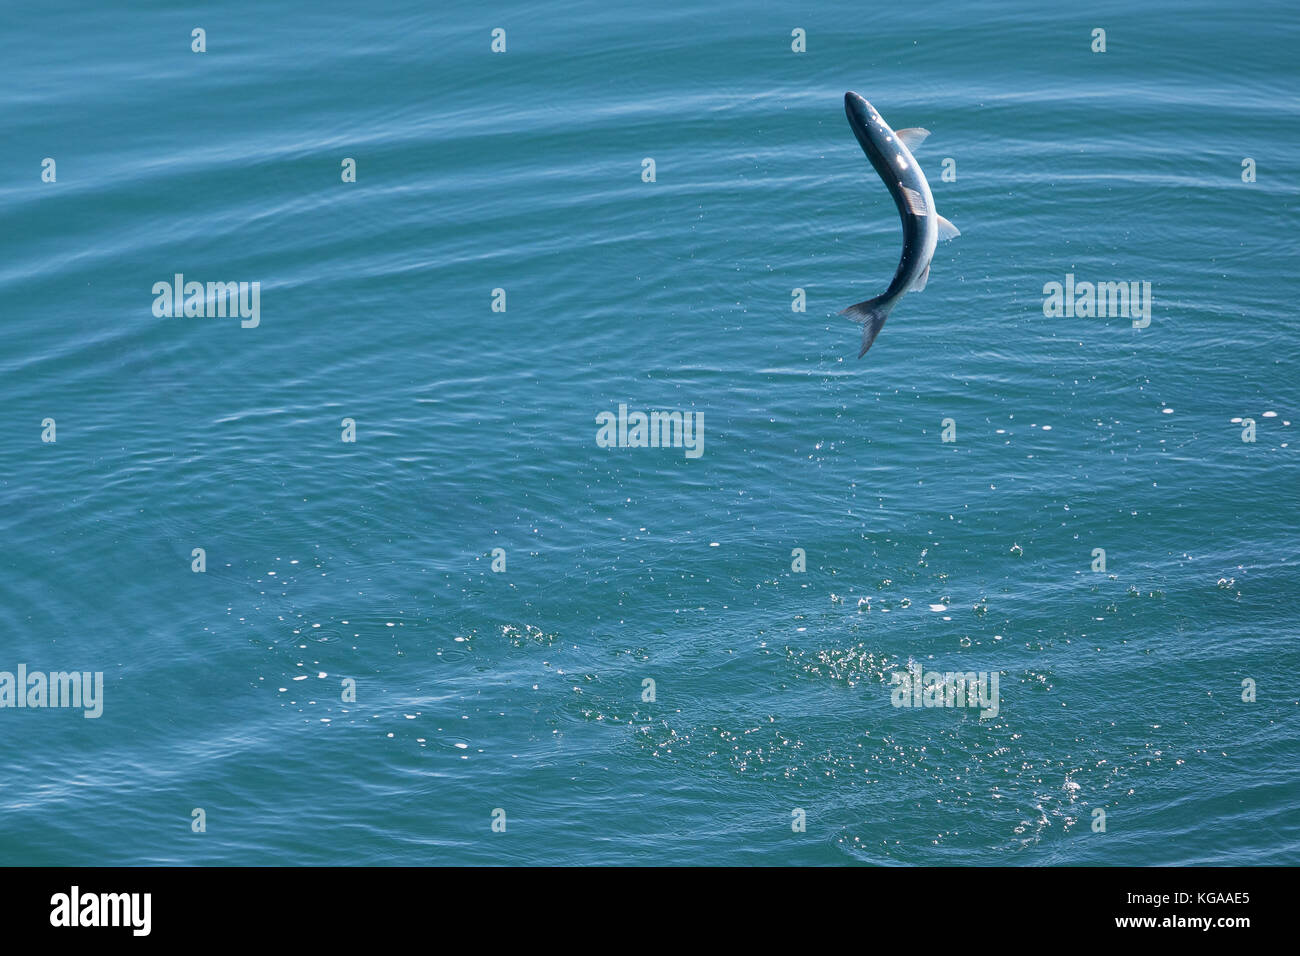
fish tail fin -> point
(872, 314)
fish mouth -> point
(857, 102)
(858, 108)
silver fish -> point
(890, 153)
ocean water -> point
(523, 690)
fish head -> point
(861, 113)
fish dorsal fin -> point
(915, 201)
(912, 137)
(946, 229)
(919, 284)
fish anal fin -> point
(946, 229)
(912, 137)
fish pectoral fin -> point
(946, 229)
(912, 137)
(915, 201)
(919, 284)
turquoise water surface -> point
(523, 690)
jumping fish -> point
(890, 153)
